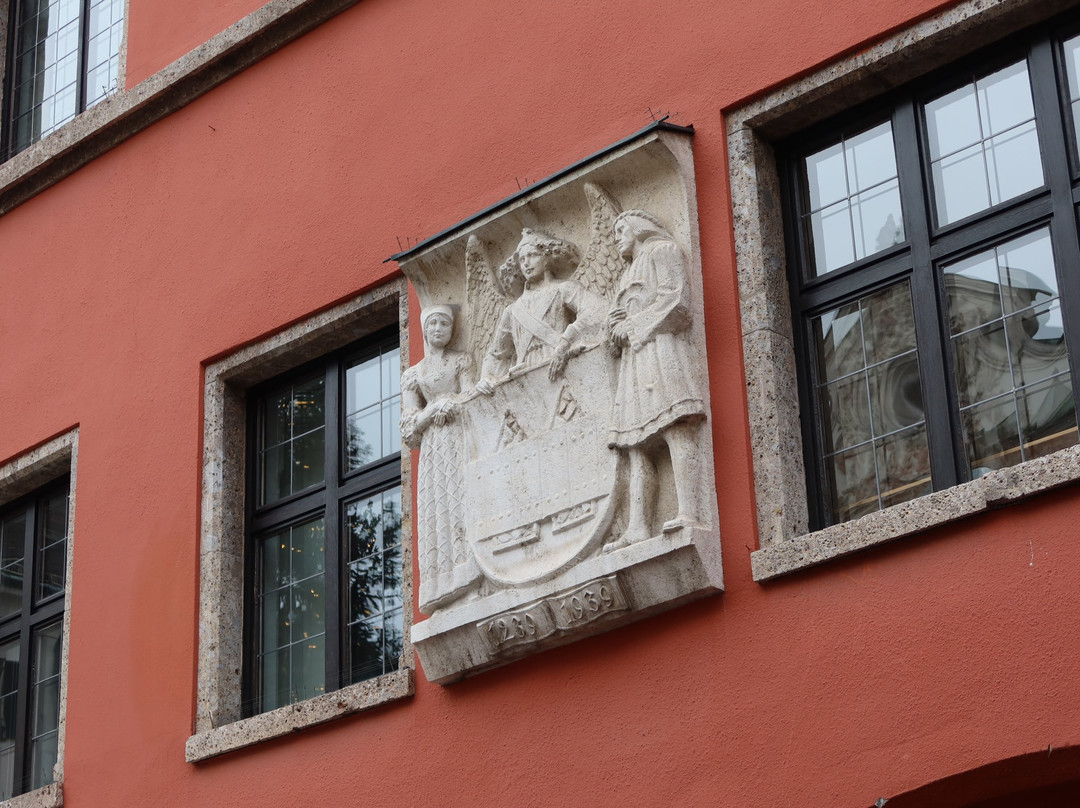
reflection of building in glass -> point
(1011, 371)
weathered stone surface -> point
(566, 479)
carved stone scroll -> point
(567, 418)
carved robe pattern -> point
(446, 563)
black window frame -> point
(34, 615)
(7, 141)
(927, 245)
(340, 487)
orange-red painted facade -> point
(281, 192)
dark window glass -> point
(935, 278)
(324, 554)
(65, 57)
(33, 536)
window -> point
(65, 57)
(325, 544)
(322, 391)
(933, 268)
(33, 555)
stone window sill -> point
(992, 490)
(50, 796)
(293, 718)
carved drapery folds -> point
(565, 483)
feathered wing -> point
(602, 265)
(485, 300)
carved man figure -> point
(658, 394)
(550, 320)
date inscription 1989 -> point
(563, 612)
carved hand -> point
(558, 362)
(485, 386)
(620, 333)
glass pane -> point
(365, 587)
(952, 122)
(391, 518)
(393, 636)
(9, 685)
(309, 406)
(972, 289)
(309, 460)
(366, 650)
(276, 607)
(983, 145)
(391, 433)
(1047, 417)
(904, 466)
(992, 435)
(1014, 163)
(847, 413)
(896, 394)
(1026, 270)
(832, 237)
(363, 524)
(43, 751)
(391, 589)
(12, 538)
(838, 339)
(982, 364)
(1036, 344)
(854, 199)
(870, 158)
(308, 669)
(52, 570)
(852, 483)
(275, 675)
(363, 441)
(1072, 70)
(888, 323)
(1012, 372)
(308, 549)
(826, 180)
(11, 579)
(277, 418)
(307, 615)
(391, 369)
(362, 386)
(276, 554)
(873, 341)
(960, 185)
(276, 473)
(877, 219)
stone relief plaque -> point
(565, 483)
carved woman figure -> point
(431, 393)
(658, 392)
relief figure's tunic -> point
(657, 384)
(530, 328)
(445, 560)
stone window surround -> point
(219, 725)
(785, 545)
(127, 112)
(20, 476)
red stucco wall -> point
(281, 192)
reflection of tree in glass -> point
(374, 589)
(359, 452)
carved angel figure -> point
(658, 394)
(431, 392)
(551, 316)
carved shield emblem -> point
(540, 476)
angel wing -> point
(602, 265)
(486, 297)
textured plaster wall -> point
(280, 193)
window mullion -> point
(334, 553)
(942, 421)
(84, 49)
(1063, 233)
